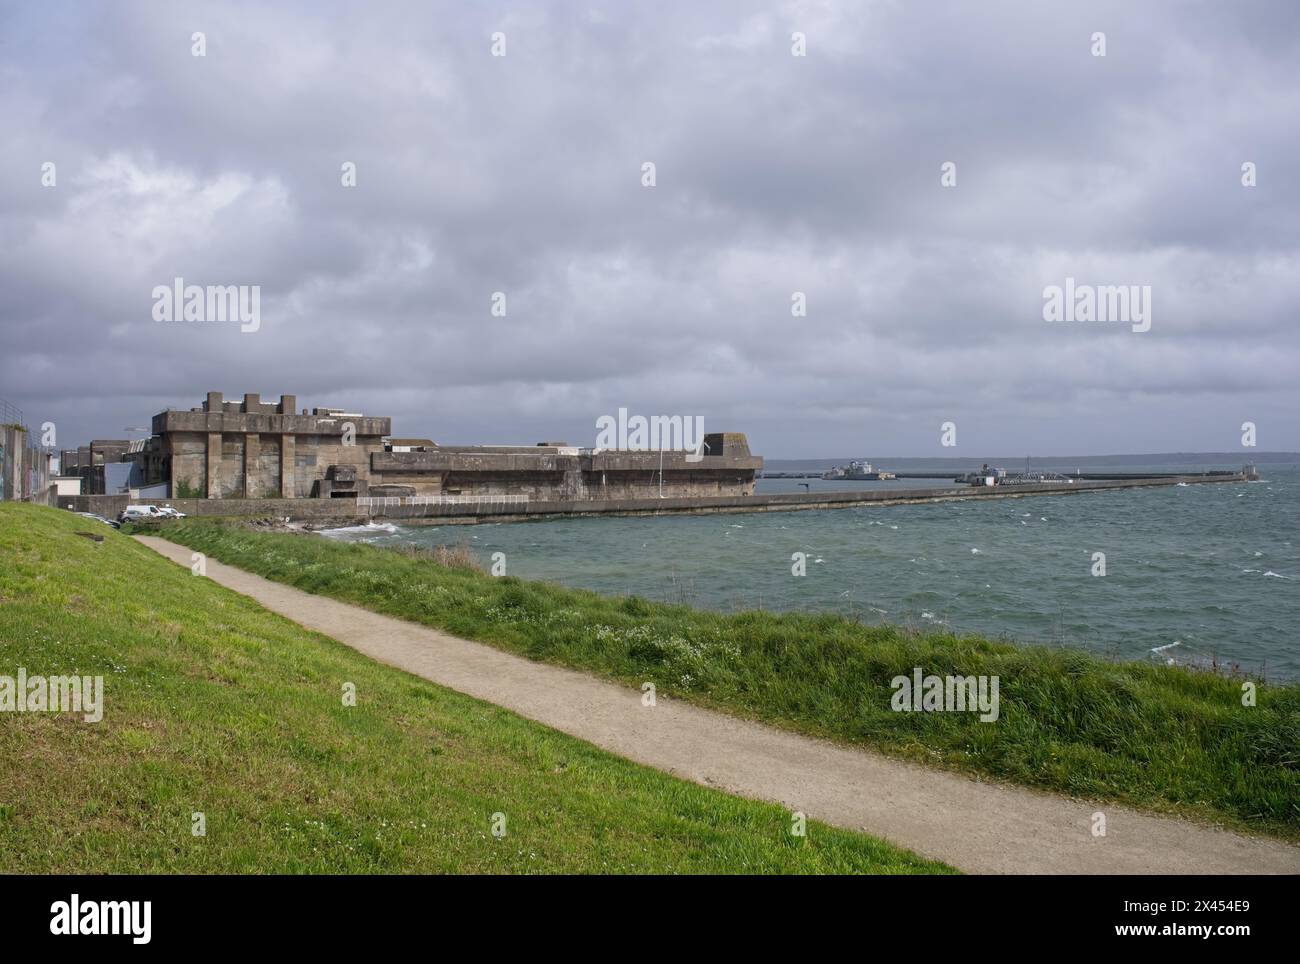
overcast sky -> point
(774, 174)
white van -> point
(134, 513)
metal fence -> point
(381, 502)
(11, 415)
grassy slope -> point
(1163, 737)
(214, 704)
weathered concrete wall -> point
(236, 422)
(110, 505)
(548, 474)
(230, 476)
(187, 452)
(253, 449)
(13, 449)
(718, 483)
(106, 505)
(265, 467)
(24, 471)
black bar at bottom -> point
(332, 914)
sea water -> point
(1195, 573)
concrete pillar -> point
(213, 404)
(213, 464)
(286, 466)
(10, 443)
(251, 487)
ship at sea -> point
(859, 470)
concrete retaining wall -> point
(110, 505)
(24, 470)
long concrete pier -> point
(341, 511)
(773, 502)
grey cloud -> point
(775, 174)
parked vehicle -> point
(171, 513)
(137, 513)
(100, 518)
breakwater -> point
(482, 509)
(773, 502)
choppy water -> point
(1214, 569)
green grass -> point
(1165, 738)
(214, 704)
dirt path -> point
(977, 826)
